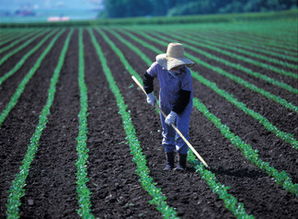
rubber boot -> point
(170, 158)
(182, 162)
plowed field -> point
(77, 138)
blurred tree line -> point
(136, 8)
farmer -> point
(175, 97)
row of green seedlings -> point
(252, 155)
(20, 89)
(211, 34)
(163, 41)
(142, 170)
(208, 43)
(235, 32)
(274, 38)
(282, 41)
(234, 65)
(23, 46)
(231, 203)
(83, 191)
(6, 34)
(287, 137)
(230, 44)
(274, 30)
(18, 40)
(254, 43)
(17, 191)
(12, 37)
(24, 58)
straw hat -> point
(174, 57)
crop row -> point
(282, 41)
(17, 191)
(254, 43)
(262, 120)
(281, 178)
(231, 45)
(11, 37)
(270, 32)
(83, 191)
(18, 40)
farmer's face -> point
(177, 68)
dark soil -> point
(115, 189)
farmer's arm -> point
(149, 77)
(148, 83)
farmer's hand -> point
(171, 118)
(151, 99)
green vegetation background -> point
(137, 8)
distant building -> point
(55, 19)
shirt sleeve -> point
(152, 70)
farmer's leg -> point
(168, 143)
(182, 148)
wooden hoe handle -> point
(174, 127)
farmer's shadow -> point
(243, 172)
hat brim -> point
(170, 62)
